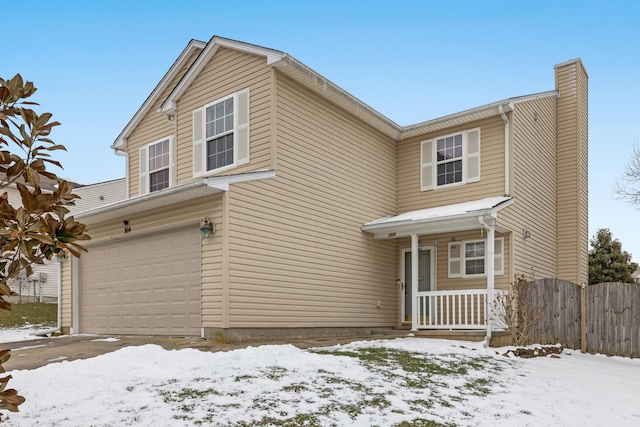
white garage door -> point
(148, 285)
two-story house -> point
(264, 201)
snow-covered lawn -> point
(28, 332)
(402, 382)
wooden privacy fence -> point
(602, 318)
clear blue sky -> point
(95, 63)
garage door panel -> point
(160, 296)
(148, 285)
(143, 297)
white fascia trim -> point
(358, 105)
(412, 223)
(223, 182)
(220, 183)
(455, 222)
(140, 199)
(121, 140)
(272, 55)
(168, 107)
(470, 115)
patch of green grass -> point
(309, 420)
(409, 362)
(421, 422)
(296, 388)
(275, 373)
(479, 386)
(21, 315)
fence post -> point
(583, 318)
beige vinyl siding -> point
(572, 193)
(212, 310)
(583, 104)
(229, 71)
(534, 187)
(491, 169)
(65, 318)
(152, 127)
(298, 256)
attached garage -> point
(147, 285)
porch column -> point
(414, 282)
(490, 278)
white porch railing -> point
(464, 309)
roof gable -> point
(169, 105)
(193, 46)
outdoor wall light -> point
(207, 228)
(526, 234)
(61, 255)
(127, 227)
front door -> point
(425, 277)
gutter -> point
(388, 126)
(59, 325)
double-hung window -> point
(468, 258)
(450, 160)
(156, 166)
(221, 134)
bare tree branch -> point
(627, 187)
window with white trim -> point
(221, 134)
(450, 160)
(156, 166)
(468, 258)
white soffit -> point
(441, 219)
(471, 115)
(170, 196)
(335, 94)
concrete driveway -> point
(40, 352)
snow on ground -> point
(150, 386)
(29, 332)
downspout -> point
(414, 281)
(124, 154)
(59, 325)
(507, 152)
(490, 275)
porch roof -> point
(456, 217)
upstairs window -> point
(156, 166)
(468, 258)
(159, 166)
(221, 134)
(450, 160)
